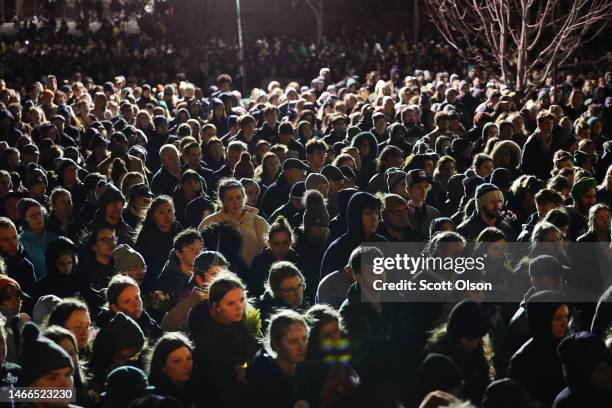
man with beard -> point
(395, 226)
(489, 202)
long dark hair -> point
(149, 224)
(168, 343)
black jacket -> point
(163, 182)
(149, 327)
(20, 268)
(154, 246)
(535, 160)
(536, 366)
(260, 268)
(339, 251)
(218, 350)
(275, 195)
(269, 386)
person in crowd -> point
(11, 302)
(35, 237)
(13, 254)
(223, 330)
(272, 375)
(489, 202)
(176, 279)
(61, 221)
(9, 371)
(279, 243)
(461, 339)
(69, 178)
(284, 288)
(252, 227)
(129, 262)
(96, 264)
(168, 176)
(362, 220)
(124, 386)
(61, 279)
(44, 364)
(587, 371)
(139, 201)
(123, 295)
(191, 186)
(548, 317)
(110, 202)
(73, 315)
(119, 343)
(66, 340)
(584, 196)
(171, 367)
(395, 224)
(292, 209)
(156, 236)
(538, 151)
(293, 171)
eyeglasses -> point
(295, 290)
(108, 240)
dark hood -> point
(438, 372)
(580, 353)
(359, 202)
(373, 144)
(507, 393)
(55, 249)
(344, 196)
(541, 308)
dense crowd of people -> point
(163, 242)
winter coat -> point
(260, 269)
(311, 252)
(218, 350)
(154, 246)
(471, 227)
(536, 365)
(20, 268)
(164, 182)
(535, 160)
(266, 382)
(275, 195)
(252, 228)
(339, 251)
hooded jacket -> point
(275, 195)
(56, 283)
(337, 225)
(581, 353)
(536, 366)
(368, 164)
(339, 251)
(154, 245)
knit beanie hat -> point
(502, 178)
(126, 258)
(125, 384)
(121, 332)
(470, 183)
(297, 191)
(24, 204)
(486, 193)
(315, 214)
(34, 176)
(580, 157)
(467, 320)
(244, 168)
(582, 187)
(393, 176)
(108, 194)
(439, 372)
(43, 307)
(39, 356)
(314, 180)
